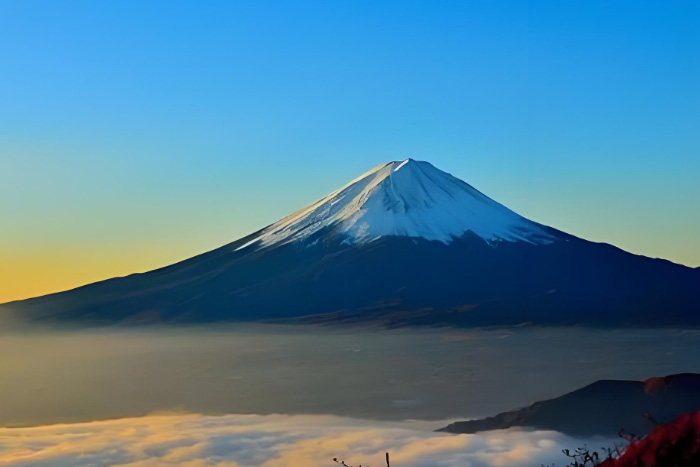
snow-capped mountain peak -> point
(406, 198)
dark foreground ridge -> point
(602, 408)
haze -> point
(366, 373)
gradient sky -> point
(134, 134)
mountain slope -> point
(604, 408)
(403, 244)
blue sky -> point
(133, 134)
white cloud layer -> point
(270, 441)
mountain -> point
(602, 408)
(404, 243)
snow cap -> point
(407, 198)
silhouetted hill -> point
(604, 407)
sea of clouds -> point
(272, 441)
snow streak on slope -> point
(404, 198)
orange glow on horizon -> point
(26, 275)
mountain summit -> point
(402, 244)
(405, 199)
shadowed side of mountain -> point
(393, 280)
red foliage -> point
(676, 444)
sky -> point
(136, 134)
